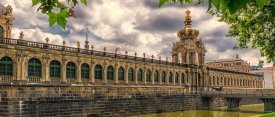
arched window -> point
(170, 77)
(1, 32)
(55, 69)
(6, 66)
(139, 75)
(34, 68)
(177, 78)
(182, 78)
(131, 74)
(120, 73)
(85, 71)
(70, 70)
(156, 76)
(163, 76)
(110, 73)
(98, 72)
(148, 76)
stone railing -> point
(71, 81)
(6, 78)
(34, 79)
(56, 80)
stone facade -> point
(236, 64)
(6, 19)
(43, 79)
(35, 62)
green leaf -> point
(84, 2)
(61, 21)
(261, 3)
(52, 18)
(209, 5)
(35, 2)
(64, 13)
(162, 2)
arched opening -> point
(163, 76)
(170, 77)
(71, 70)
(120, 73)
(139, 75)
(131, 74)
(34, 68)
(6, 66)
(156, 76)
(1, 32)
(183, 79)
(85, 71)
(98, 72)
(55, 69)
(148, 75)
(200, 83)
(177, 77)
(110, 73)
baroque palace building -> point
(23, 61)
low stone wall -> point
(46, 100)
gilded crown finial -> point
(188, 12)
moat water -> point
(246, 111)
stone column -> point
(116, 74)
(126, 75)
(174, 78)
(180, 79)
(105, 73)
(92, 76)
(136, 75)
(63, 69)
(18, 65)
(24, 69)
(78, 73)
(46, 68)
(160, 76)
(167, 77)
(144, 75)
(153, 76)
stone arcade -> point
(40, 74)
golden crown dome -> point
(188, 31)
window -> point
(170, 77)
(120, 73)
(6, 66)
(131, 74)
(1, 32)
(71, 70)
(110, 73)
(163, 76)
(148, 76)
(85, 71)
(156, 76)
(226, 64)
(139, 75)
(34, 68)
(55, 69)
(183, 79)
(238, 63)
(98, 72)
(177, 78)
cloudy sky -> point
(134, 25)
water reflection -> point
(250, 111)
(201, 113)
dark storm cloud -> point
(221, 44)
(159, 23)
(127, 39)
(165, 22)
